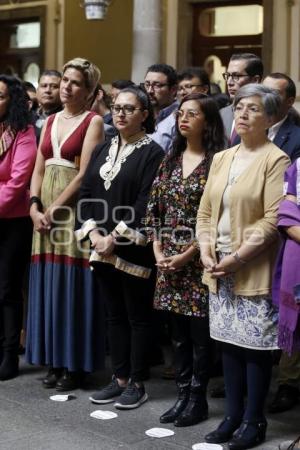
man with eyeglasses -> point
(161, 85)
(193, 80)
(243, 68)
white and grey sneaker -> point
(132, 397)
(109, 393)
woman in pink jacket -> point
(17, 157)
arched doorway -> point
(223, 28)
(22, 42)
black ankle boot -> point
(10, 366)
(181, 402)
(196, 410)
(52, 377)
(250, 434)
(224, 431)
(69, 381)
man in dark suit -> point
(284, 133)
(243, 68)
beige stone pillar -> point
(146, 37)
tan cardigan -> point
(254, 201)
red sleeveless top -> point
(73, 144)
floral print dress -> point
(171, 217)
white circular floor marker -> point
(62, 398)
(103, 415)
(159, 432)
(206, 446)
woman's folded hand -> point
(225, 267)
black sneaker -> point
(109, 393)
(132, 397)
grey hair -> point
(270, 98)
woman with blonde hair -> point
(62, 307)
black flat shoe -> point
(52, 377)
(250, 434)
(224, 431)
(69, 381)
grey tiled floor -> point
(29, 420)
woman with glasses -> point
(61, 330)
(171, 217)
(113, 199)
(238, 239)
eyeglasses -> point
(156, 86)
(128, 110)
(234, 76)
(190, 113)
(252, 110)
(188, 87)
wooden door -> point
(213, 49)
(16, 55)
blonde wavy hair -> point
(90, 72)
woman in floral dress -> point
(171, 216)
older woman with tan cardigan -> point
(237, 234)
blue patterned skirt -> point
(250, 322)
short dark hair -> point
(143, 98)
(254, 63)
(122, 84)
(29, 86)
(106, 98)
(17, 116)
(167, 70)
(50, 73)
(290, 88)
(191, 72)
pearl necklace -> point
(74, 115)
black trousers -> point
(129, 302)
(15, 248)
(192, 348)
(250, 371)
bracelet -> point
(36, 200)
(238, 258)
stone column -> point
(146, 37)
